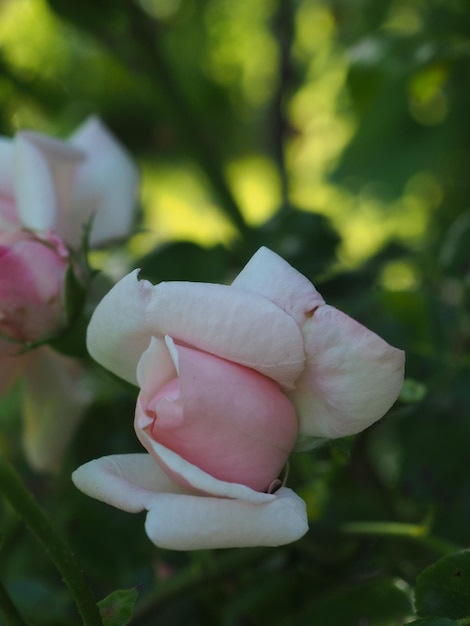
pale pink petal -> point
(228, 420)
(267, 274)
(155, 367)
(32, 274)
(180, 522)
(194, 479)
(351, 379)
(44, 178)
(130, 482)
(231, 323)
(56, 394)
(106, 186)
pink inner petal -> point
(226, 419)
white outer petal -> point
(231, 323)
(45, 172)
(106, 185)
(188, 522)
(129, 482)
(351, 379)
(267, 274)
(180, 520)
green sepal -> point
(117, 608)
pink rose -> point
(49, 192)
(32, 275)
(230, 378)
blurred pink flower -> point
(49, 192)
(31, 302)
(230, 377)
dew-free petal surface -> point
(193, 478)
(269, 275)
(186, 522)
(352, 376)
(129, 482)
(105, 188)
(231, 323)
(45, 171)
(229, 420)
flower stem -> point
(12, 487)
(8, 610)
(420, 532)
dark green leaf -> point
(443, 588)
(384, 602)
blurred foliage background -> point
(337, 133)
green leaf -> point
(383, 602)
(116, 609)
(443, 589)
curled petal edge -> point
(193, 478)
(231, 323)
(270, 276)
(180, 520)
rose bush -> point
(230, 377)
(50, 192)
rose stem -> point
(58, 550)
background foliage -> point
(335, 132)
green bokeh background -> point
(337, 133)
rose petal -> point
(193, 478)
(351, 379)
(155, 367)
(56, 395)
(105, 187)
(231, 323)
(45, 172)
(31, 292)
(129, 482)
(267, 274)
(182, 521)
(228, 420)
(187, 522)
